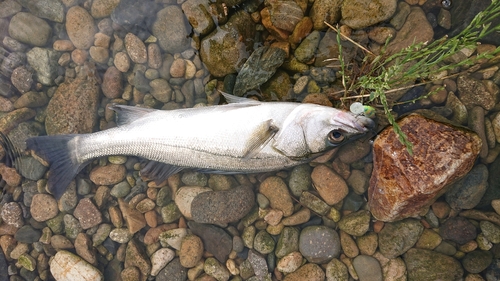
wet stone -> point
(43, 207)
(108, 175)
(474, 92)
(477, 261)
(363, 13)
(416, 28)
(263, 242)
(428, 240)
(27, 234)
(29, 29)
(356, 224)
(275, 189)
(22, 79)
(331, 187)
(160, 259)
(135, 256)
(191, 251)
(309, 271)
(458, 229)
(12, 214)
(319, 244)
(44, 62)
(71, 226)
(491, 231)
(305, 51)
(367, 268)
(68, 266)
(87, 213)
(429, 265)
(468, 191)
(221, 207)
(215, 239)
(215, 269)
(396, 238)
(80, 27)
(172, 40)
(173, 271)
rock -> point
(198, 13)
(27, 234)
(173, 237)
(402, 13)
(215, 240)
(221, 207)
(131, 14)
(9, 8)
(428, 240)
(472, 92)
(28, 29)
(80, 27)
(215, 269)
(172, 40)
(460, 114)
(319, 244)
(396, 238)
(263, 242)
(309, 271)
(108, 175)
(331, 187)
(416, 29)
(120, 235)
(135, 48)
(87, 213)
(477, 261)
(285, 14)
(260, 66)
(122, 61)
(12, 214)
(170, 213)
(66, 113)
(103, 8)
(307, 48)
(290, 262)
(356, 224)
(185, 196)
(31, 99)
(44, 62)
(48, 9)
(288, 242)
(458, 229)
(225, 49)
(490, 231)
(191, 251)
(135, 220)
(174, 271)
(160, 259)
(391, 198)
(84, 248)
(300, 179)
(277, 87)
(112, 83)
(22, 79)
(476, 122)
(468, 191)
(136, 256)
(359, 14)
(367, 243)
(275, 189)
(314, 203)
(43, 207)
(428, 265)
(67, 266)
(354, 151)
(367, 268)
(325, 11)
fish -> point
(243, 136)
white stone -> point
(70, 267)
(173, 237)
(160, 259)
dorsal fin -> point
(127, 114)
(234, 99)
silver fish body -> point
(245, 136)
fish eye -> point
(336, 137)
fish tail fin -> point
(61, 158)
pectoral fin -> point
(127, 114)
(260, 138)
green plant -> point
(387, 73)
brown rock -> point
(87, 213)
(310, 271)
(302, 29)
(112, 83)
(73, 108)
(135, 220)
(331, 187)
(108, 175)
(135, 48)
(154, 56)
(136, 256)
(12, 214)
(474, 92)
(43, 207)
(191, 251)
(178, 68)
(63, 45)
(84, 248)
(275, 189)
(268, 24)
(458, 229)
(402, 185)
(152, 235)
(10, 120)
(122, 62)
(80, 27)
(10, 175)
(22, 79)
(79, 56)
(99, 54)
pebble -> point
(171, 40)
(367, 268)
(429, 265)
(87, 213)
(215, 239)
(325, 11)
(160, 259)
(458, 229)
(191, 251)
(477, 261)
(44, 62)
(319, 244)
(154, 56)
(108, 175)
(84, 248)
(185, 196)
(348, 245)
(43, 207)
(99, 54)
(331, 187)
(12, 214)
(122, 61)
(135, 220)
(460, 114)
(22, 79)
(178, 68)
(275, 189)
(120, 235)
(428, 240)
(215, 269)
(396, 238)
(112, 83)
(67, 266)
(121, 189)
(9, 8)
(468, 191)
(135, 256)
(309, 271)
(290, 262)
(367, 243)
(31, 99)
(27, 234)
(299, 217)
(314, 203)
(359, 14)
(306, 49)
(220, 207)
(474, 92)
(103, 8)
(490, 231)
(263, 242)
(136, 49)
(29, 29)
(495, 122)
(356, 224)
(80, 27)
(173, 271)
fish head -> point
(315, 129)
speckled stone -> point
(319, 244)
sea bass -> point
(244, 136)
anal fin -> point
(159, 171)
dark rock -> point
(27, 234)
(477, 261)
(468, 191)
(220, 207)
(215, 239)
(462, 13)
(396, 238)
(260, 66)
(458, 229)
(174, 271)
(3, 268)
(319, 244)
